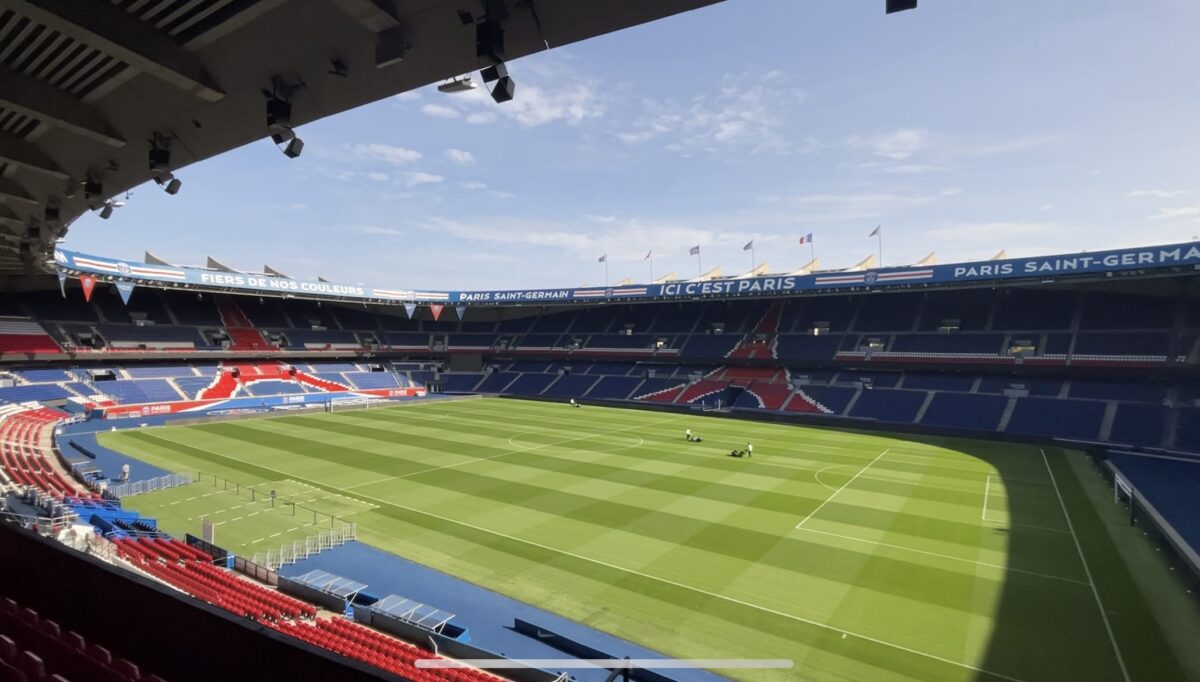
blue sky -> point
(964, 127)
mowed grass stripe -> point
(949, 586)
(546, 459)
(930, 525)
(878, 654)
(954, 636)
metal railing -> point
(302, 549)
(149, 485)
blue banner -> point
(126, 290)
(1068, 265)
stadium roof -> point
(90, 88)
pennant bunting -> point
(62, 283)
(126, 290)
(436, 309)
(88, 283)
(410, 309)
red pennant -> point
(88, 282)
(436, 309)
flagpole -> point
(606, 270)
(651, 259)
(880, 235)
(752, 259)
(699, 267)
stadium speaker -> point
(503, 90)
(900, 5)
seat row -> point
(33, 649)
(378, 650)
(23, 456)
(189, 569)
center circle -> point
(549, 441)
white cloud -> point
(386, 153)
(440, 111)
(1176, 212)
(746, 114)
(995, 230)
(913, 151)
(621, 239)
(483, 187)
(414, 178)
(1156, 193)
(1046, 207)
(896, 145)
(481, 117)
(378, 177)
(379, 231)
(950, 191)
(536, 106)
(410, 96)
(546, 93)
(460, 157)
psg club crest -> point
(123, 268)
(871, 277)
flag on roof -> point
(648, 254)
(695, 251)
(749, 245)
(806, 239)
(875, 232)
(602, 259)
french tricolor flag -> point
(806, 239)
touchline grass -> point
(858, 556)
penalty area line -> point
(839, 490)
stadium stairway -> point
(223, 386)
(700, 389)
(242, 334)
(803, 402)
(317, 382)
(760, 342)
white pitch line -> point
(835, 493)
(1001, 567)
(818, 475)
(512, 452)
(1079, 548)
(986, 488)
(666, 581)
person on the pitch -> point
(687, 434)
(749, 450)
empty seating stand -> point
(190, 570)
(36, 649)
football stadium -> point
(975, 470)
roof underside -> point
(86, 84)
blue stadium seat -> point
(614, 388)
(1138, 424)
(1076, 419)
(890, 405)
(965, 411)
(455, 382)
(571, 386)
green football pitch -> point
(858, 556)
